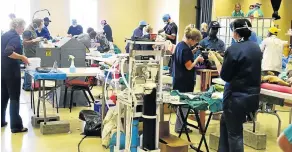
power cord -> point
(80, 143)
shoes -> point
(19, 130)
(276, 16)
(3, 124)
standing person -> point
(75, 29)
(85, 37)
(237, 11)
(11, 53)
(137, 34)
(184, 67)
(45, 33)
(204, 30)
(108, 33)
(241, 70)
(272, 48)
(148, 31)
(170, 30)
(30, 44)
(212, 41)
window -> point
(85, 12)
(21, 9)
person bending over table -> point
(11, 54)
(241, 70)
(184, 66)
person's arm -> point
(81, 29)
(263, 45)
(284, 140)
(11, 53)
(228, 66)
(27, 41)
(190, 65)
(187, 57)
(69, 31)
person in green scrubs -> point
(237, 11)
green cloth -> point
(202, 101)
(251, 12)
(238, 14)
(117, 50)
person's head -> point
(166, 18)
(237, 7)
(273, 31)
(241, 29)
(251, 7)
(213, 28)
(92, 34)
(38, 24)
(74, 22)
(257, 5)
(142, 24)
(47, 21)
(149, 29)
(12, 16)
(192, 35)
(204, 27)
(18, 25)
(103, 23)
(90, 29)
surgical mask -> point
(74, 25)
(165, 22)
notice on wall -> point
(48, 52)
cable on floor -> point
(80, 143)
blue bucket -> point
(98, 106)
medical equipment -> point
(72, 67)
(130, 99)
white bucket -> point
(33, 63)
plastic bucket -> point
(98, 106)
(33, 63)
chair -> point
(75, 85)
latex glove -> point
(212, 56)
(200, 58)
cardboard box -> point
(167, 110)
(170, 143)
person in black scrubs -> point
(75, 29)
(107, 31)
(241, 70)
(184, 66)
(11, 54)
(170, 30)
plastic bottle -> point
(72, 66)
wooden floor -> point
(34, 141)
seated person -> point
(148, 30)
(104, 43)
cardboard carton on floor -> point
(169, 142)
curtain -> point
(205, 11)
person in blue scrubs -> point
(11, 54)
(212, 41)
(75, 29)
(45, 33)
(107, 31)
(184, 67)
(137, 34)
(285, 139)
(241, 70)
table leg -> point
(44, 102)
(203, 131)
(39, 98)
(57, 104)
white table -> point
(81, 72)
(267, 92)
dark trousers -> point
(231, 132)
(10, 89)
(276, 4)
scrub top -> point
(241, 69)
(238, 14)
(252, 38)
(288, 133)
(171, 29)
(77, 30)
(108, 33)
(29, 48)
(10, 42)
(138, 33)
(44, 33)
(216, 44)
(183, 79)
